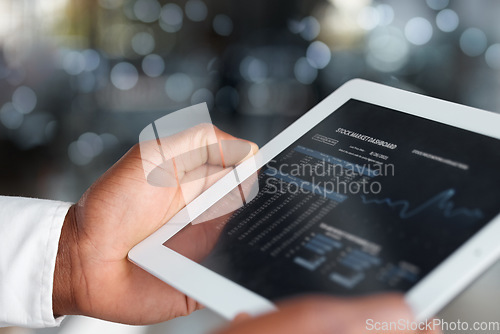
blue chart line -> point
(346, 282)
(367, 257)
(441, 201)
(309, 265)
(329, 241)
(315, 249)
(359, 262)
(400, 273)
(324, 243)
(319, 244)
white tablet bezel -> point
(426, 298)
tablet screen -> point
(369, 200)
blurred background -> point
(79, 80)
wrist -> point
(63, 295)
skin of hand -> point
(328, 315)
(93, 276)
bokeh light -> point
(368, 18)
(171, 17)
(24, 99)
(473, 42)
(109, 140)
(253, 69)
(388, 50)
(10, 117)
(94, 141)
(223, 25)
(318, 55)
(492, 56)
(203, 95)
(153, 65)
(80, 153)
(418, 31)
(92, 59)
(304, 72)
(143, 43)
(147, 10)
(74, 63)
(438, 4)
(88, 146)
(385, 14)
(309, 28)
(196, 10)
(447, 20)
(179, 87)
(124, 76)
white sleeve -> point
(29, 238)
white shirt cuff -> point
(29, 239)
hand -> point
(327, 315)
(93, 276)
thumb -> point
(167, 160)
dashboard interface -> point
(369, 200)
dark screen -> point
(369, 200)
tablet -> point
(373, 190)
